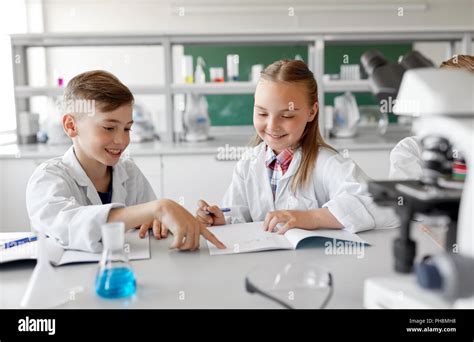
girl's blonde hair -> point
(297, 72)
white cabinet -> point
(188, 178)
(151, 167)
(15, 174)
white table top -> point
(173, 279)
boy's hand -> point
(209, 215)
(185, 228)
(159, 230)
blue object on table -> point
(18, 242)
(224, 210)
(116, 283)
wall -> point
(136, 65)
(146, 15)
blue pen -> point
(18, 242)
(224, 210)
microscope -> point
(442, 101)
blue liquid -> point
(116, 283)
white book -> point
(136, 248)
(250, 237)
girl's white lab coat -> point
(337, 183)
(63, 203)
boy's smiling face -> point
(101, 137)
(281, 113)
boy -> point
(70, 197)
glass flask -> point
(115, 278)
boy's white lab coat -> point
(336, 183)
(63, 203)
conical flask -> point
(44, 289)
(115, 278)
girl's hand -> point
(209, 215)
(159, 230)
(310, 219)
(290, 219)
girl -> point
(291, 176)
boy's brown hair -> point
(102, 87)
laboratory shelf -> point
(316, 40)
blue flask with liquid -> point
(115, 278)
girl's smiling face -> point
(281, 112)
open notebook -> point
(249, 237)
(138, 249)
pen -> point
(18, 242)
(224, 210)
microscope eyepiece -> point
(371, 60)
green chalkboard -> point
(335, 55)
(231, 110)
